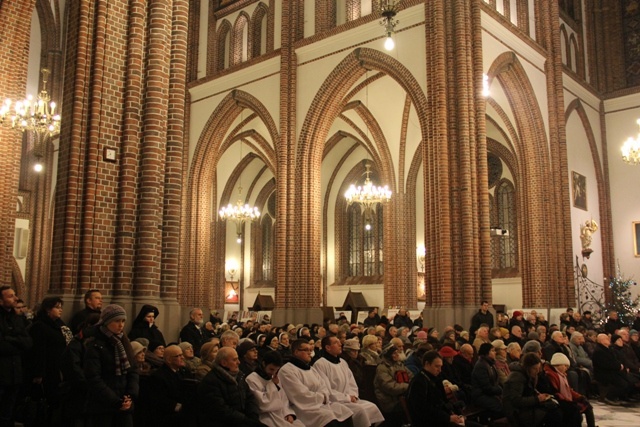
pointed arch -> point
(259, 20)
(535, 201)
(240, 40)
(326, 106)
(223, 46)
(202, 231)
(604, 203)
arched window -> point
(365, 241)
(223, 41)
(267, 247)
(504, 207)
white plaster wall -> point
(620, 118)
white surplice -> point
(273, 403)
(306, 390)
(341, 382)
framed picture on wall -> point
(579, 185)
(636, 238)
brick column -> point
(15, 19)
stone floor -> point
(616, 416)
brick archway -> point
(547, 274)
(328, 103)
(200, 239)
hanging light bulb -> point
(388, 10)
(38, 166)
(389, 44)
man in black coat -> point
(613, 323)
(165, 392)
(610, 372)
(14, 341)
(92, 305)
(224, 399)
(373, 318)
(192, 332)
(482, 316)
(426, 397)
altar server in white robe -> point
(340, 380)
(308, 393)
(275, 410)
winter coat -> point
(478, 319)
(14, 340)
(193, 335)
(520, 400)
(44, 358)
(606, 365)
(427, 401)
(388, 388)
(226, 401)
(106, 389)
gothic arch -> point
(255, 34)
(606, 227)
(328, 103)
(223, 42)
(201, 237)
(239, 51)
(534, 166)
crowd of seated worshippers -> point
(500, 373)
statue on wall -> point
(586, 231)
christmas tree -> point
(621, 298)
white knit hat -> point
(559, 359)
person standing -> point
(192, 332)
(14, 341)
(92, 304)
(111, 379)
(50, 338)
(144, 325)
(483, 316)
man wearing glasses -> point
(308, 393)
(165, 393)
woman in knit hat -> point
(572, 403)
(191, 362)
(112, 380)
(208, 353)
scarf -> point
(120, 355)
(564, 388)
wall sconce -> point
(421, 252)
(232, 268)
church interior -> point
(282, 155)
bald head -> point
(173, 357)
(604, 340)
(467, 351)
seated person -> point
(572, 403)
(308, 392)
(523, 405)
(275, 409)
(342, 384)
(390, 383)
(224, 398)
(427, 400)
(486, 390)
(610, 372)
(164, 399)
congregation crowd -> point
(518, 370)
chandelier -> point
(388, 10)
(368, 195)
(239, 213)
(631, 149)
(37, 116)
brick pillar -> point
(15, 19)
